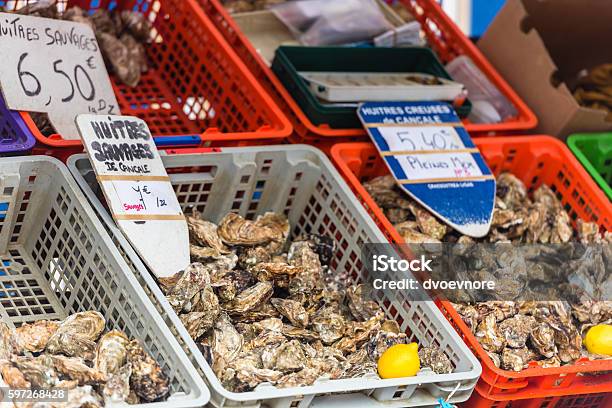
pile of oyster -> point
(120, 34)
(512, 327)
(74, 354)
(265, 310)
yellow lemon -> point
(401, 360)
(598, 339)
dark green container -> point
(594, 151)
(288, 61)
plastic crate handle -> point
(193, 150)
(173, 141)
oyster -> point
(197, 323)
(13, 376)
(301, 334)
(193, 279)
(516, 329)
(226, 341)
(84, 396)
(235, 230)
(427, 223)
(147, 379)
(286, 357)
(361, 309)
(279, 273)
(262, 312)
(38, 371)
(329, 324)
(133, 22)
(516, 359)
(111, 353)
(381, 341)
(292, 310)
(117, 388)
(323, 246)
(7, 341)
(250, 298)
(76, 369)
(33, 337)
(435, 359)
(76, 335)
(204, 234)
(306, 376)
(542, 339)
(488, 334)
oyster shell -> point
(292, 310)
(435, 359)
(304, 377)
(361, 309)
(76, 335)
(193, 279)
(516, 329)
(279, 273)
(323, 246)
(13, 376)
(427, 223)
(329, 324)
(38, 371)
(262, 312)
(33, 337)
(76, 369)
(226, 341)
(286, 357)
(111, 353)
(235, 230)
(147, 379)
(542, 339)
(204, 234)
(84, 396)
(117, 388)
(250, 298)
(381, 341)
(516, 359)
(488, 334)
(7, 342)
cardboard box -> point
(540, 46)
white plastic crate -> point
(56, 259)
(300, 182)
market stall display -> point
(299, 183)
(220, 103)
(73, 316)
(537, 162)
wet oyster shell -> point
(329, 325)
(516, 359)
(76, 335)
(435, 359)
(7, 341)
(488, 334)
(286, 357)
(250, 298)
(516, 329)
(147, 379)
(323, 246)
(292, 310)
(117, 388)
(38, 371)
(304, 377)
(279, 273)
(111, 353)
(542, 339)
(226, 341)
(76, 369)
(204, 234)
(13, 376)
(193, 279)
(360, 308)
(381, 341)
(235, 230)
(33, 337)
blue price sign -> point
(434, 160)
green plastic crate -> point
(594, 151)
(288, 61)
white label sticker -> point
(137, 189)
(439, 166)
(53, 66)
(421, 138)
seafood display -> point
(74, 354)
(243, 6)
(264, 309)
(521, 325)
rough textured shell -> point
(435, 359)
(77, 334)
(235, 230)
(147, 379)
(33, 337)
(111, 353)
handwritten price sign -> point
(53, 66)
(137, 189)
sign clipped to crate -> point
(137, 189)
(54, 67)
(433, 159)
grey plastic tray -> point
(57, 259)
(300, 182)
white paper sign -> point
(421, 167)
(53, 66)
(421, 138)
(137, 189)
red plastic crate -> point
(195, 85)
(445, 37)
(571, 401)
(535, 160)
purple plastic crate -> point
(15, 138)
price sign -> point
(53, 66)
(434, 160)
(137, 189)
